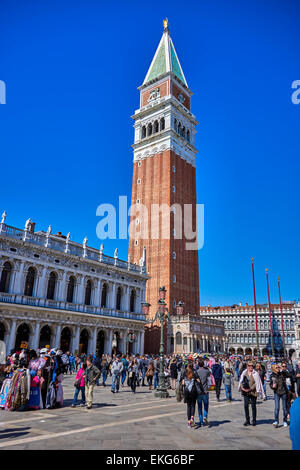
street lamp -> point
(130, 338)
(162, 314)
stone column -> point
(108, 347)
(41, 290)
(97, 294)
(138, 342)
(142, 342)
(36, 337)
(112, 302)
(126, 300)
(93, 341)
(80, 291)
(12, 337)
(61, 295)
(76, 340)
(19, 287)
(57, 336)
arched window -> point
(88, 293)
(2, 331)
(5, 277)
(119, 297)
(175, 124)
(132, 301)
(178, 338)
(51, 286)
(70, 291)
(162, 124)
(179, 128)
(183, 132)
(149, 129)
(45, 337)
(155, 127)
(104, 295)
(22, 335)
(188, 135)
(143, 132)
(29, 282)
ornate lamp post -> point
(162, 314)
(130, 338)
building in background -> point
(195, 334)
(164, 173)
(240, 329)
(58, 293)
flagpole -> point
(283, 335)
(270, 314)
(255, 309)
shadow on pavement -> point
(9, 434)
(213, 424)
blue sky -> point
(72, 71)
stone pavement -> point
(141, 421)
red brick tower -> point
(164, 173)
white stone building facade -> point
(188, 334)
(55, 292)
(240, 327)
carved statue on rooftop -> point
(116, 253)
(49, 230)
(27, 224)
(3, 217)
(84, 242)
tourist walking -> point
(298, 378)
(203, 374)
(262, 376)
(116, 370)
(91, 375)
(217, 373)
(250, 385)
(173, 373)
(190, 393)
(80, 386)
(133, 372)
(150, 374)
(228, 382)
(125, 368)
(279, 387)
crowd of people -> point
(34, 380)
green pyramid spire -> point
(165, 59)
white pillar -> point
(138, 342)
(142, 342)
(127, 297)
(76, 340)
(36, 337)
(80, 291)
(41, 290)
(18, 287)
(112, 302)
(93, 342)
(57, 337)
(108, 346)
(12, 336)
(97, 294)
(61, 294)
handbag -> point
(77, 383)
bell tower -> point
(164, 186)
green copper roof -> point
(176, 69)
(159, 65)
(165, 60)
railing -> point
(60, 244)
(67, 306)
